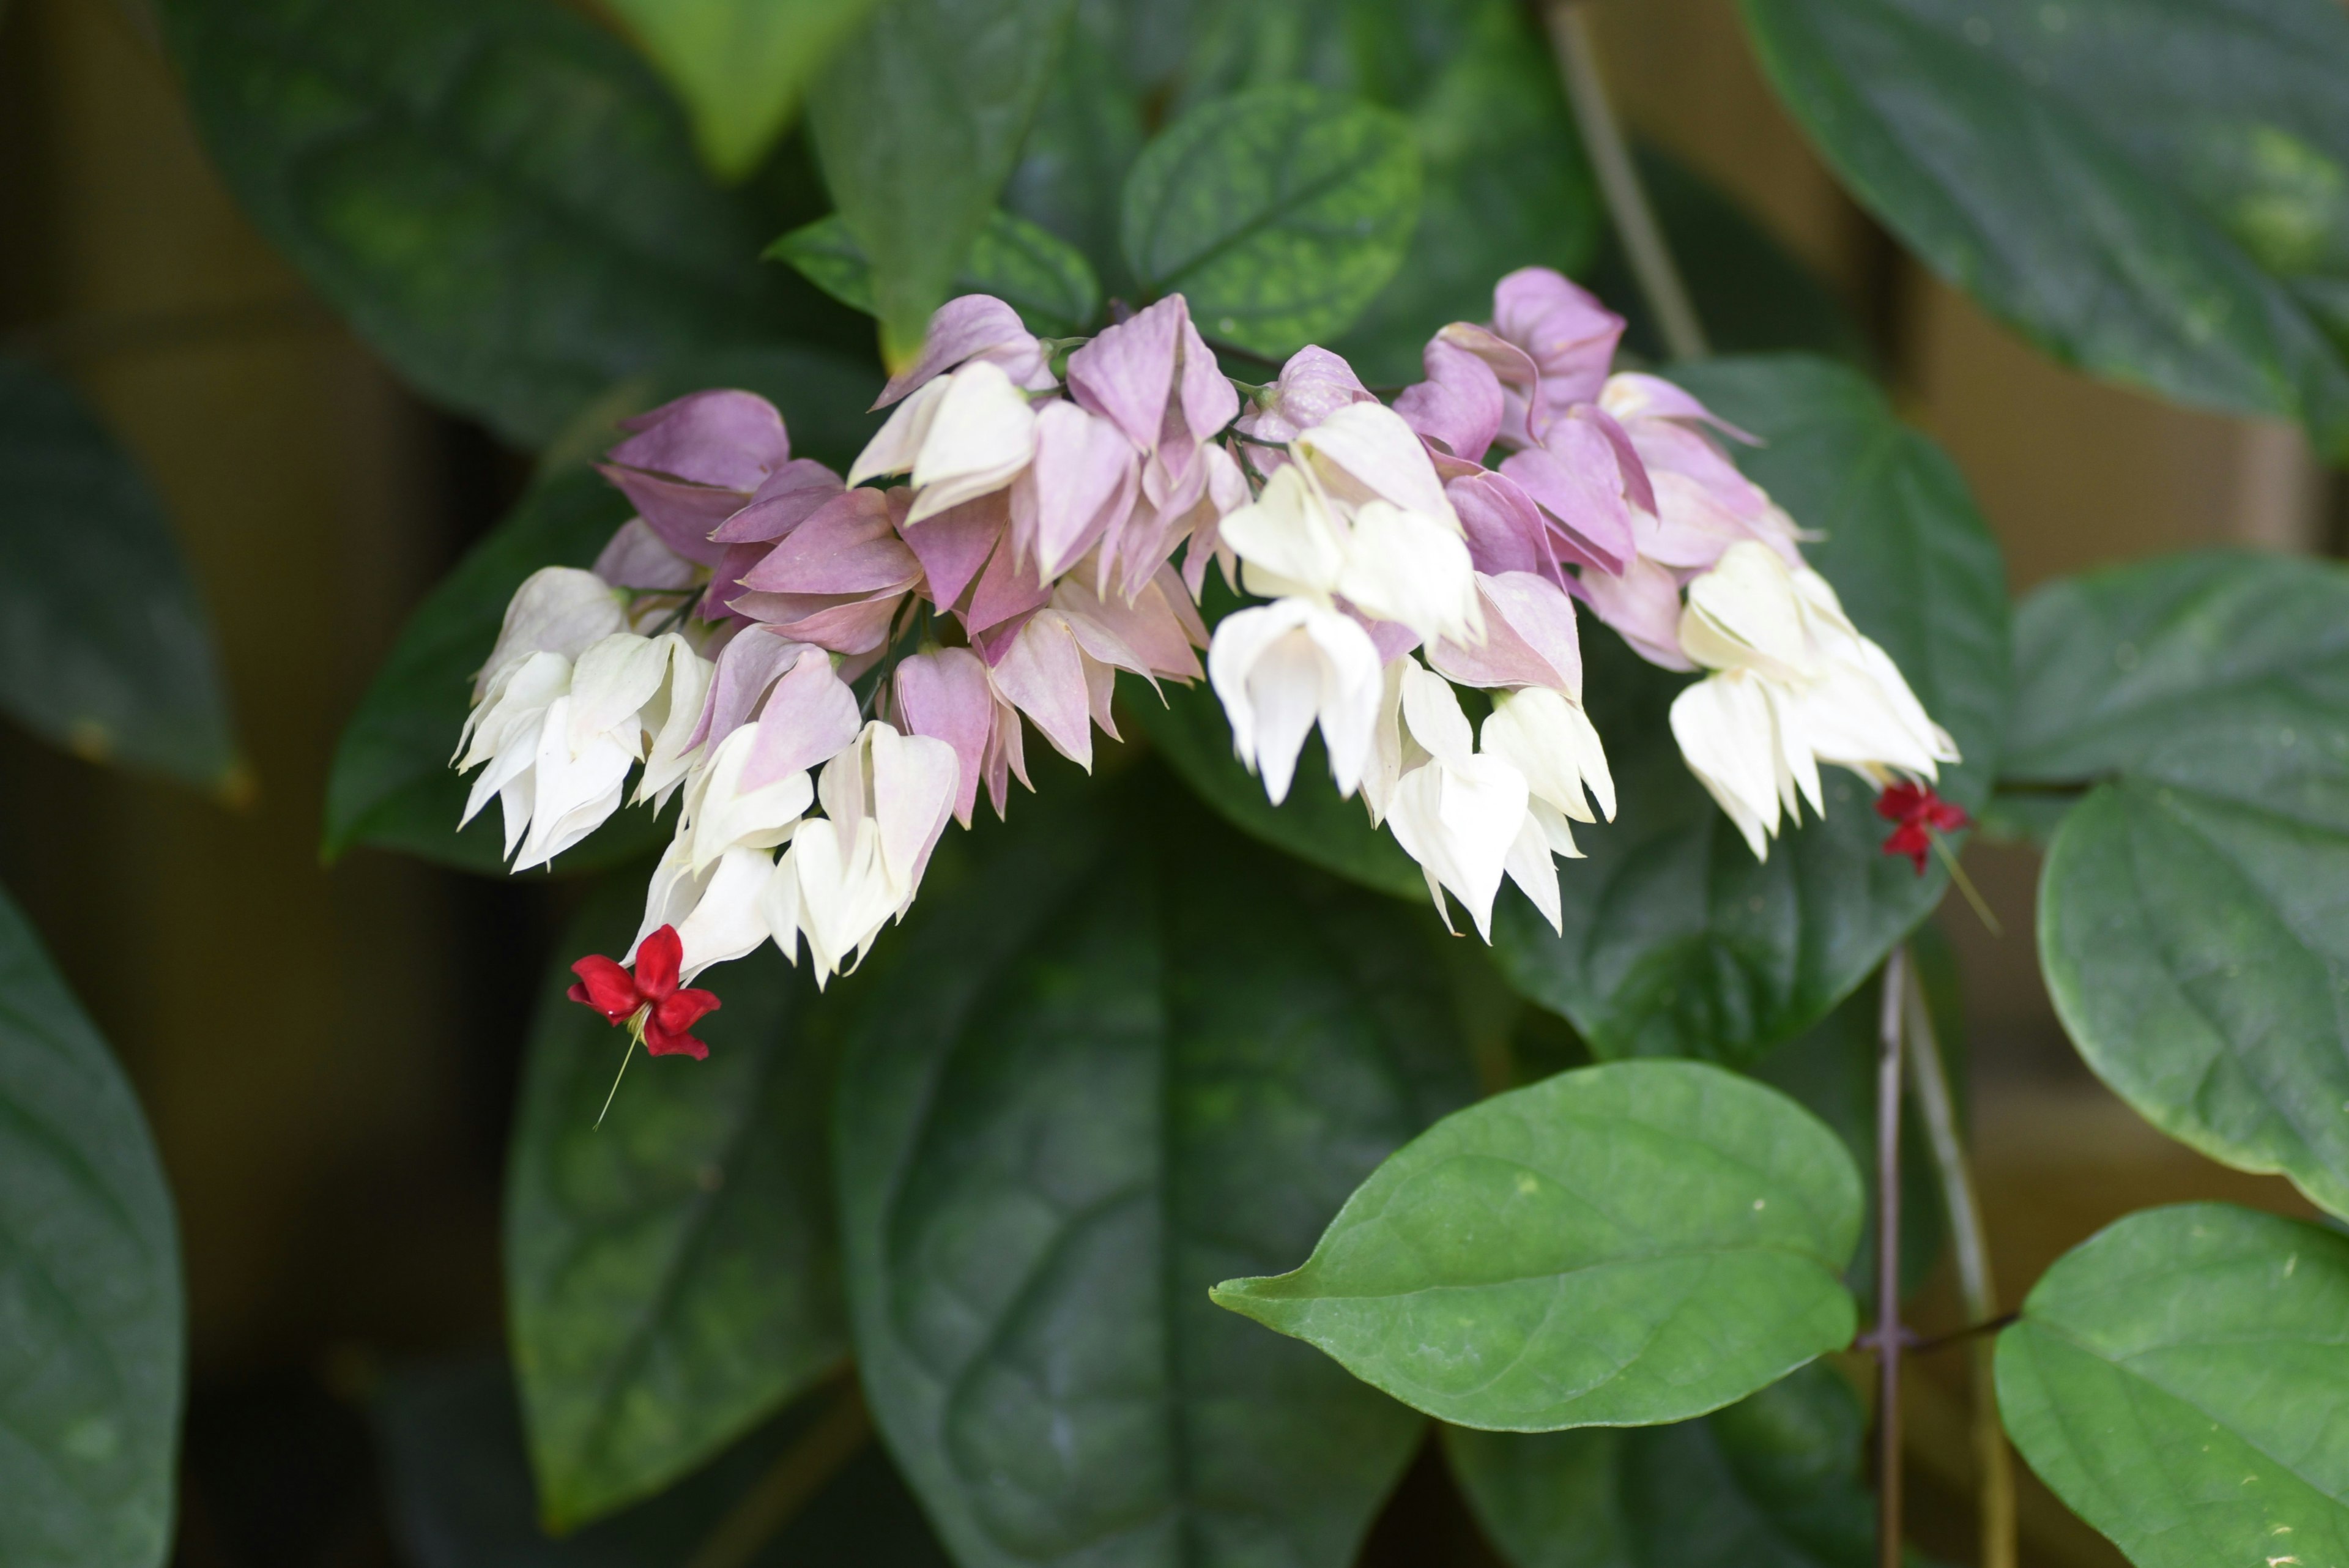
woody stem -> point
(1619, 182)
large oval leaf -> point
(918, 122)
(1619, 1245)
(2152, 189)
(495, 192)
(1044, 278)
(2196, 943)
(1773, 1481)
(1278, 211)
(391, 786)
(1677, 941)
(1125, 1059)
(2180, 1378)
(104, 644)
(671, 1275)
(92, 1356)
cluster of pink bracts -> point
(1055, 526)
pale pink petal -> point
(1313, 385)
(1043, 674)
(1633, 396)
(1504, 529)
(636, 557)
(1004, 590)
(841, 623)
(724, 439)
(1576, 484)
(1458, 407)
(944, 694)
(1636, 486)
(682, 513)
(811, 718)
(1157, 635)
(955, 544)
(1005, 756)
(1569, 335)
(791, 496)
(975, 326)
(848, 547)
(747, 666)
(1085, 477)
(1529, 638)
(1127, 373)
(1643, 606)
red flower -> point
(649, 1000)
(1921, 814)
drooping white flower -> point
(1793, 685)
(1458, 813)
(885, 799)
(1546, 735)
(1282, 668)
(961, 436)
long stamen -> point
(636, 1038)
(1966, 884)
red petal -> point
(663, 1041)
(1909, 839)
(1947, 817)
(680, 1010)
(658, 956)
(1901, 800)
(605, 987)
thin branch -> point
(1971, 1242)
(1619, 182)
(1889, 1332)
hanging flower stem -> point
(1971, 1243)
(1889, 1334)
(1618, 183)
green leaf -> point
(2109, 665)
(391, 786)
(1751, 294)
(1619, 1245)
(106, 650)
(917, 123)
(2180, 1379)
(2152, 189)
(1772, 1481)
(1188, 729)
(2196, 943)
(671, 1274)
(1280, 212)
(1087, 133)
(495, 192)
(1047, 280)
(92, 1362)
(1126, 1056)
(458, 1483)
(740, 65)
(1677, 941)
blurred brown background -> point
(327, 1056)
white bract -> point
(851, 871)
(1282, 668)
(1795, 685)
(960, 436)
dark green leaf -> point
(391, 786)
(495, 191)
(91, 1361)
(1677, 941)
(1279, 212)
(1619, 1245)
(1752, 294)
(1189, 730)
(2109, 665)
(104, 646)
(740, 65)
(2180, 1379)
(458, 1482)
(671, 1274)
(1047, 281)
(1125, 1058)
(2196, 942)
(1773, 1481)
(918, 122)
(2152, 189)
(1087, 133)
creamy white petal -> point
(1546, 735)
(982, 435)
(1411, 568)
(899, 442)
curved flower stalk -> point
(825, 668)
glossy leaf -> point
(1047, 281)
(95, 1350)
(1088, 131)
(740, 65)
(2180, 1381)
(1280, 212)
(458, 1484)
(671, 1274)
(1619, 1245)
(1677, 941)
(1123, 1058)
(105, 648)
(917, 122)
(2151, 190)
(1772, 1481)
(391, 786)
(2196, 943)
(495, 192)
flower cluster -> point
(827, 668)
